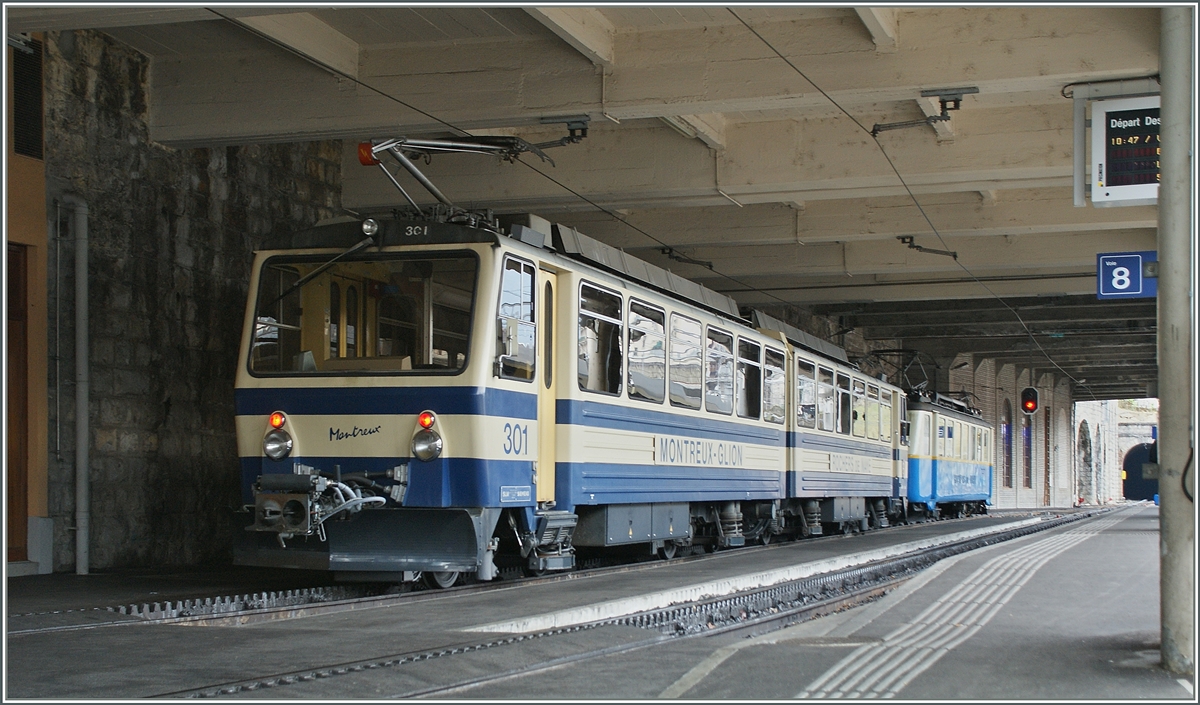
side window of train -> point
(515, 329)
(718, 372)
(774, 386)
(920, 434)
(278, 327)
(873, 412)
(860, 408)
(748, 392)
(548, 336)
(647, 352)
(827, 410)
(687, 377)
(806, 394)
(843, 396)
(940, 447)
(885, 415)
(599, 367)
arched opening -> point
(1084, 489)
(1135, 486)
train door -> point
(547, 446)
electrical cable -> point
(466, 133)
(624, 221)
(913, 197)
(1187, 467)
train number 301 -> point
(516, 439)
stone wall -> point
(171, 235)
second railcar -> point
(949, 464)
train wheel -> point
(764, 538)
(668, 550)
(440, 580)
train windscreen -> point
(390, 314)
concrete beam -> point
(1023, 213)
(708, 128)
(311, 37)
(584, 28)
(881, 23)
(670, 72)
(983, 256)
(58, 19)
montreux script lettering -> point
(337, 434)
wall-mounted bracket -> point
(948, 99)
(908, 240)
(577, 129)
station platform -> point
(1067, 613)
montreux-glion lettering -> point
(673, 450)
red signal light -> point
(425, 419)
(277, 419)
(1029, 400)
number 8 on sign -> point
(1120, 278)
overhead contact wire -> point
(913, 197)
(466, 133)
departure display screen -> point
(1132, 148)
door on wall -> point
(18, 408)
(547, 446)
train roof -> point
(564, 240)
(944, 404)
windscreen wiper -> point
(364, 243)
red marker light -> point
(425, 419)
(278, 419)
(365, 156)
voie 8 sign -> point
(1125, 151)
(1125, 275)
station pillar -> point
(1177, 485)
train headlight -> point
(370, 226)
(427, 445)
(277, 444)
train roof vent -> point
(575, 244)
(798, 337)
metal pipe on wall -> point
(1176, 483)
(79, 222)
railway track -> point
(747, 613)
(267, 605)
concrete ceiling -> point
(708, 146)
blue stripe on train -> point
(367, 401)
(835, 444)
(612, 483)
(445, 482)
(651, 420)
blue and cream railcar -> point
(949, 464)
(847, 461)
(379, 432)
(671, 416)
(438, 397)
